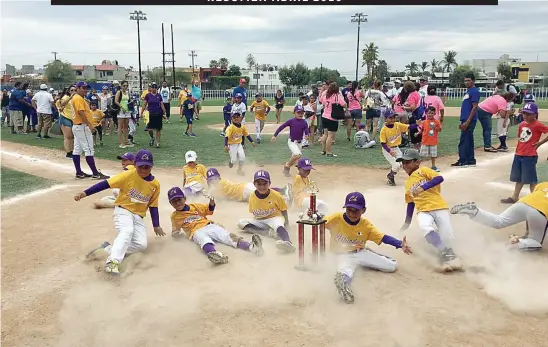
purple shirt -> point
(153, 103)
(297, 129)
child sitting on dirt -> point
(194, 175)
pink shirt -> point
(413, 99)
(493, 104)
(354, 100)
(434, 101)
(326, 102)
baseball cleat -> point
(257, 245)
(230, 165)
(100, 176)
(285, 246)
(82, 175)
(112, 267)
(287, 172)
(217, 258)
(390, 179)
(92, 254)
(469, 208)
(344, 288)
(449, 261)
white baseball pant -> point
(259, 126)
(502, 131)
(347, 262)
(294, 147)
(518, 212)
(249, 188)
(321, 206)
(395, 166)
(83, 140)
(132, 234)
(132, 126)
(194, 187)
(236, 153)
(213, 233)
(264, 224)
(437, 221)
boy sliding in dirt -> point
(191, 221)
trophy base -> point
(311, 222)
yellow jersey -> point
(98, 116)
(79, 104)
(346, 237)
(235, 134)
(392, 136)
(136, 194)
(194, 174)
(271, 206)
(182, 96)
(260, 109)
(67, 110)
(193, 217)
(538, 199)
(429, 200)
(230, 190)
(299, 189)
(144, 93)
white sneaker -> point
(257, 245)
(217, 258)
(285, 246)
(469, 208)
(343, 288)
(112, 267)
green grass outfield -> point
(16, 183)
(210, 146)
(543, 104)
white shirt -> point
(103, 101)
(423, 91)
(164, 93)
(391, 93)
(238, 108)
(43, 101)
(299, 103)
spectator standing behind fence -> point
(5, 107)
(16, 105)
(468, 120)
(330, 125)
(43, 103)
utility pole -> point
(321, 71)
(192, 55)
(54, 56)
(139, 16)
(358, 18)
(163, 55)
(172, 56)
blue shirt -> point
(240, 90)
(227, 110)
(188, 108)
(16, 95)
(472, 96)
(197, 92)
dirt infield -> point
(174, 297)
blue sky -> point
(276, 35)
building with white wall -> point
(266, 77)
(489, 66)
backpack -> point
(419, 111)
(519, 97)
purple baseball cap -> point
(362, 126)
(238, 95)
(305, 164)
(261, 175)
(81, 84)
(530, 108)
(126, 156)
(298, 108)
(212, 173)
(355, 200)
(388, 112)
(175, 193)
(143, 158)
(529, 98)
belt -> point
(298, 141)
(77, 124)
(356, 250)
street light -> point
(139, 16)
(358, 18)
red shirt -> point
(430, 138)
(529, 134)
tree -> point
(213, 63)
(412, 68)
(233, 70)
(370, 55)
(223, 63)
(449, 61)
(456, 78)
(326, 74)
(60, 72)
(295, 75)
(505, 71)
(383, 70)
(434, 64)
(424, 66)
(250, 61)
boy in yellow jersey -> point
(390, 138)
(128, 163)
(350, 232)
(220, 187)
(233, 142)
(532, 208)
(269, 212)
(194, 175)
(300, 185)
(191, 221)
(139, 191)
(98, 116)
(422, 191)
(261, 108)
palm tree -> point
(412, 68)
(434, 64)
(223, 63)
(370, 55)
(424, 66)
(449, 61)
(213, 63)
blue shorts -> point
(189, 119)
(65, 121)
(524, 170)
(227, 119)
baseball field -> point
(171, 295)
